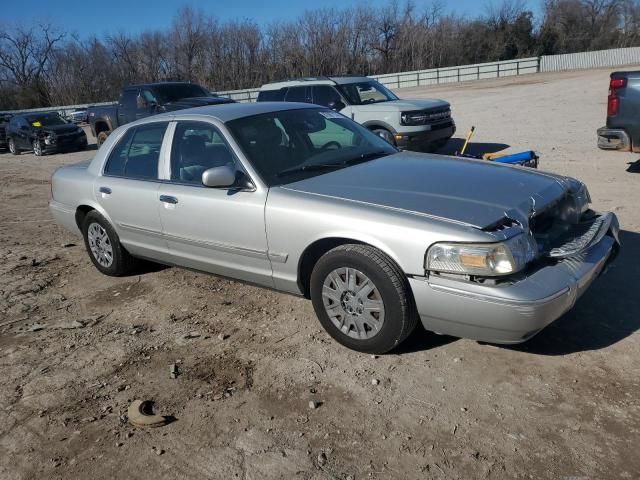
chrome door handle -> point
(168, 199)
(105, 190)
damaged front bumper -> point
(514, 312)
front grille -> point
(427, 117)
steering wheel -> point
(332, 144)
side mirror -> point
(336, 105)
(219, 177)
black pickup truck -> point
(622, 131)
(139, 101)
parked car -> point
(44, 133)
(4, 121)
(422, 125)
(78, 116)
(301, 199)
(622, 129)
(140, 101)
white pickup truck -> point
(424, 124)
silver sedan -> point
(303, 200)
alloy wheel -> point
(100, 245)
(37, 148)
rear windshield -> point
(171, 93)
(49, 120)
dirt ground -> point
(77, 347)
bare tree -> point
(25, 56)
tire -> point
(108, 255)
(342, 311)
(12, 147)
(38, 151)
(102, 136)
(385, 134)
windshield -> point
(171, 93)
(292, 145)
(367, 92)
(48, 120)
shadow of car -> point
(473, 148)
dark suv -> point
(4, 121)
(44, 133)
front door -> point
(218, 230)
(128, 190)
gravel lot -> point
(77, 347)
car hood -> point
(59, 129)
(476, 193)
(404, 105)
(195, 102)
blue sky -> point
(89, 17)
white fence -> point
(596, 59)
(462, 73)
(435, 76)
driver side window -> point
(197, 147)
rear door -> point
(128, 190)
(218, 230)
(23, 134)
(298, 94)
(325, 95)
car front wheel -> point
(385, 134)
(362, 298)
(101, 138)
(104, 248)
(37, 148)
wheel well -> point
(378, 127)
(81, 213)
(101, 127)
(312, 254)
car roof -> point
(158, 84)
(334, 80)
(227, 112)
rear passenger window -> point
(324, 95)
(297, 94)
(197, 146)
(136, 154)
(271, 95)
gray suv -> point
(423, 125)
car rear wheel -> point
(362, 298)
(104, 248)
(102, 136)
(12, 147)
(37, 148)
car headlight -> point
(50, 139)
(482, 259)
